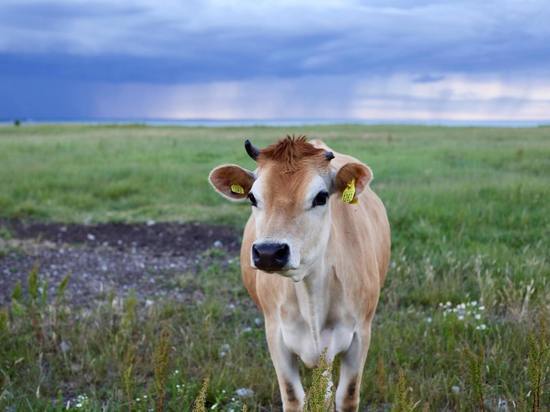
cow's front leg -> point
(351, 371)
(286, 367)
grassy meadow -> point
(464, 318)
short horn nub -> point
(252, 151)
(329, 155)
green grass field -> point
(470, 216)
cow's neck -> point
(314, 300)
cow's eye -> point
(320, 199)
(252, 199)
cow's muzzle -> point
(270, 257)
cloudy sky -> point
(217, 59)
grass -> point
(463, 322)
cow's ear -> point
(231, 181)
(351, 180)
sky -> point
(314, 59)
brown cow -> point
(314, 255)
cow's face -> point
(290, 194)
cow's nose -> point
(270, 256)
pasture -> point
(463, 321)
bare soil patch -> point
(149, 258)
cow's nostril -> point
(282, 252)
(255, 251)
(255, 255)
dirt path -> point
(146, 258)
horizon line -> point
(273, 122)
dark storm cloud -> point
(211, 58)
(152, 42)
(82, 43)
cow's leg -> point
(286, 367)
(351, 371)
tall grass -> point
(200, 403)
(160, 365)
(538, 362)
(131, 357)
(320, 395)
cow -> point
(314, 255)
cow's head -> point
(290, 193)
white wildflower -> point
(64, 346)
(224, 350)
(245, 392)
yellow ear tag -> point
(238, 189)
(348, 195)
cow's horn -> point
(252, 151)
(329, 155)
